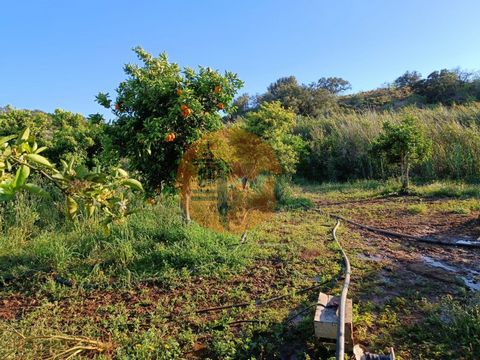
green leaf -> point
(133, 184)
(103, 99)
(106, 229)
(122, 173)
(25, 134)
(22, 174)
(6, 139)
(7, 192)
(90, 209)
(58, 176)
(37, 190)
(40, 149)
(72, 207)
(39, 159)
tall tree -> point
(408, 79)
(242, 104)
(441, 87)
(307, 100)
(333, 85)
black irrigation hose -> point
(257, 302)
(413, 238)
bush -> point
(286, 199)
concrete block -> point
(326, 319)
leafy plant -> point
(404, 144)
(94, 190)
(274, 124)
(65, 134)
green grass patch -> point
(417, 209)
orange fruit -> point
(221, 106)
(118, 106)
(170, 137)
(185, 110)
(179, 92)
(217, 89)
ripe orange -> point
(170, 137)
(185, 110)
(179, 92)
(217, 89)
(221, 106)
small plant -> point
(405, 145)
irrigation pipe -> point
(413, 238)
(257, 302)
(343, 300)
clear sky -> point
(59, 54)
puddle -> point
(469, 279)
(472, 284)
(432, 262)
(467, 242)
(370, 257)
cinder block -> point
(326, 319)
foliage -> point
(334, 85)
(458, 330)
(107, 193)
(380, 99)
(286, 197)
(445, 87)
(307, 100)
(404, 144)
(66, 135)
(408, 79)
(275, 124)
(161, 109)
(242, 104)
(440, 87)
(338, 145)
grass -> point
(126, 286)
(448, 189)
(150, 243)
(138, 289)
(417, 209)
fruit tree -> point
(161, 109)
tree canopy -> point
(160, 109)
(404, 144)
(275, 124)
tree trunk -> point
(405, 173)
(222, 201)
(186, 205)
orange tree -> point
(161, 109)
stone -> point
(326, 319)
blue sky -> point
(59, 54)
